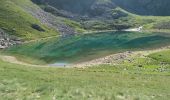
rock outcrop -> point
(7, 41)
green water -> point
(86, 47)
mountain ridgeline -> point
(142, 7)
(111, 14)
(91, 14)
(146, 7)
(90, 8)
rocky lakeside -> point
(119, 58)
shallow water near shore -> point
(60, 64)
(80, 48)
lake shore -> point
(111, 59)
(116, 59)
(92, 32)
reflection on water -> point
(60, 64)
(80, 48)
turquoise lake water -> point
(86, 47)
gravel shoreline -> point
(116, 59)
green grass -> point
(141, 79)
(150, 23)
(144, 78)
(96, 83)
(163, 56)
(75, 25)
(17, 21)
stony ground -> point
(7, 41)
(119, 58)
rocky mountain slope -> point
(91, 14)
(32, 19)
(26, 20)
(99, 7)
(109, 14)
(88, 8)
(146, 7)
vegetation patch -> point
(163, 56)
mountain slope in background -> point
(32, 19)
(26, 20)
(110, 14)
(91, 14)
(17, 21)
(90, 8)
(142, 7)
(146, 7)
(79, 8)
(98, 7)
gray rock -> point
(7, 41)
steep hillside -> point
(92, 14)
(110, 14)
(88, 8)
(146, 7)
(16, 21)
(26, 20)
(143, 7)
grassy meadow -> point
(105, 82)
(143, 78)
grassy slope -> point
(104, 82)
(150, 23)
(153, 23)
(16, 21)
(163, 56)
(97, 83)
(75, 25)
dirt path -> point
(12, 59)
